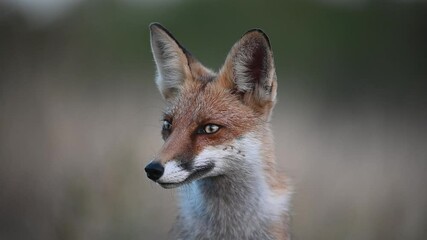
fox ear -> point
(249, 71)
(171, 61)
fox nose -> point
(154, 170)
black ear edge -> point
(155, 25)
(258, 30)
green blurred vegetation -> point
(377, 45)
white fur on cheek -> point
(224, 156)
(173, 173)
(210, 155)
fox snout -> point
(154, 170)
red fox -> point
(218, 143)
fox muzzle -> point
(154, 170)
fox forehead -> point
(207, 102)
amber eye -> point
(166, 125)
(210, 128)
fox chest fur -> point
(218, 149)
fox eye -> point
(210, 128)
(166, 125)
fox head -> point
(213, 122)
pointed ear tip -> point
(258, 32)
(155, 26)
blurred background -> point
(80, 113)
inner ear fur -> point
(249, 71)
(175, 65)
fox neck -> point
(240, 202)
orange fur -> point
(239, 101)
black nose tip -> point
(154, 170)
